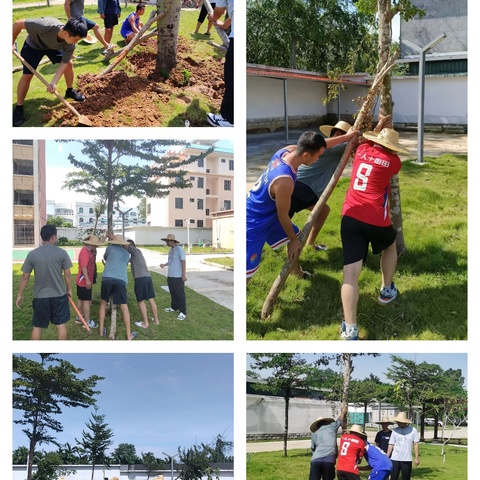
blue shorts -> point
(90, 23)
(53, 310)
(379, 474)
(113, 287)
(33, 56)
(273, 234)
(144, 289)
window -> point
(230, 164)
(200, 182)
(149, 208)
(90, 210)
(200, 223)
(222, 160)
(80, 210)
(227, 204)
(227, 184)
(80, 220)
(200, 204)
(179, 203)
(207, 211)
(201, 162)
(179, 223)
(192, 200)
(192, 178)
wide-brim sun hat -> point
(93, 240)
(341, 125)
(118, 240)
(90, 39)
(170, 236)
(401, 418)
(358, 429)
(384, 420)
(388, 138)
(315, 425)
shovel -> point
(82, 119)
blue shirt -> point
(377, 458)
(116, 261)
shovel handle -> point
(70, 107)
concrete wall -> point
(143, 235)
(266, 415)
(445, 102)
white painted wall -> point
(265, 97)
(266, 415)
(445, 99)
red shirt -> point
(350, 453)
(367, 195)
(86, 258)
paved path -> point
(255, 447)
(261, 147)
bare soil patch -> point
(134, 99)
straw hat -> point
(401, 418)
(384, 420)
(93, 240)
(118, 240)
(358, 429)
(89, 39)
(170, 236)
(387, 138)
(341, 125)
(315, 425)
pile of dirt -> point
(118, 99)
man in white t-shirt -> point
(403, 438)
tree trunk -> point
(168, 35)
(347, 372)
(386, 108)
(285, 432)
(366, 107)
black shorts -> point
(341, 475)
(50, 310)
(33, 56)
(116, 288)
(303, 197)
(110, 20)
(356, 236)
(84, 293)
(144, 289)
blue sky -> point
(58, 166)
(158, 402)
(364, 365)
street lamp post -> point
(188, 234)
(171, 457)
(421, 90)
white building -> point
(212, 189)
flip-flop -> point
(141, 325)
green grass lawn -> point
(274, 466)
(90, 60)
(206, 320)
(431, 276)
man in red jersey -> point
(350, 453)
(366, 220)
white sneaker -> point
(216, 120)
(181, 316)
(91, 324)
(109, 49)
(168, 310)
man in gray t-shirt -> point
(324, 446)
(176, 277)
(50, 37)
(52, 284)
(312, 180)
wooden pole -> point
(135, 41)
(221, 33)
(366, 107)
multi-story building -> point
(29, 197)
(211, 190)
